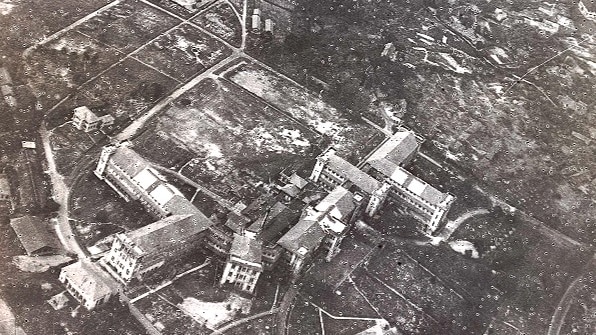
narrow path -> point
(170, 282)
(220, 200)
(134, 128)
(239, 322)
(71, 26)
(61, 194)
(452, 226)
(343, 317)
(284, 310)
(558, 318)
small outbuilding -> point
(35, 235)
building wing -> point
(350, 172)
(396, 150)
(172, 229)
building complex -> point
(283, 227)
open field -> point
(221, 21)
(533, 268)
(345, 327)
(580, 315)
(168, 317)
(303, 319)
(19, 32)
(422, 290)
(262, 326)
(174, 8)
(348, 134)
(68, 145)
(354, 250)
(234, 139)
(183, 52)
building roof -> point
(107, 119)
(85, 114)
(94, 283)
(6, 90)
(173, 229)
(28, 144)
(358, 177)
(179, 205)
(339, 203)
(4, 185)
(246, 249)
(146, 178)
(298, 181)
(396, 149)
(236, 222)
(417, 186)
(4, 76)
(332, 225)
(305, 236)
(290, 189)
(128, 160)
(278, 221)
(34, 234)
(163, 193)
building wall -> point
(121, 258)
(79, 295)
(243, 277)
(126, 264)
(125, 186)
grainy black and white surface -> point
(297, 167)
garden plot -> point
(127, 26)
(67, 62)
(223, 22)
(183, 52)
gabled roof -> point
(396, 149)
(5, 76)
(290, 189)
(236, 222)
(128, 160)
(358, 177)
(172, 229)
(35, 235)
(93, 283)
(298, 181)
(305, 236)
(4, 185)
(179, 205)
(246, 249)
(278, 221)
(339, 203)
(84, 113)
(417, 186)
